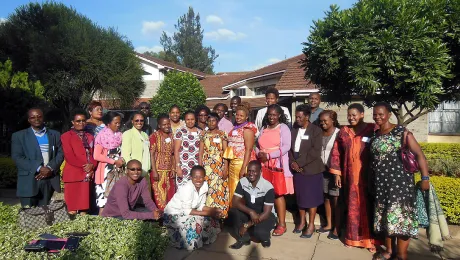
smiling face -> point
(198, 178)
(354, 116)
(174, 114)
(220, 111)
(134, 170)
(138, 121)
(314, 100)
(241, 117)
(79, 122)
(96, 113)
(381, 115)
(273, 117)
(145, 108)
(325, 122)
(115, 124)
(164, 126)
(253, 173)
(190, 120)
(203, 116)
(271, 99)
(301, 119)
(35, 118)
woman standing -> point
(135, 143)
(395, 210)
(240, 147)
(202, 112)
(349, 163)
(108, 153)
(186, 149)
(212, 147)
(329, 124)
(272, 149)
(80, 164)
(305, 160)
(174, 117)
(161, 152)
(94, 124)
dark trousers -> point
(260, 231)
(43, 197)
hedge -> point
(8, 173)
(109, 238)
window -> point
(260, 91)
(445, 119)
(241, 92)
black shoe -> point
(266, 243)
(240, 244)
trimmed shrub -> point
(442, 158)
(8, 173)
(448, 190)
(109, 238)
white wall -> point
(153, 70)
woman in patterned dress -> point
(186, 149)
(349, 163)
(394, 211)
(212, 147)
(161, 151)
(240, 147)
(107, 151)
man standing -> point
(271, 97)
(252, 206)
(234, 102)
(37, 152)
(150, 124)
(314, 100)
(224, 124)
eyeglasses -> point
(79, 121)
(135, 169)
(139, 120)
(145, 107)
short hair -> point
(129, 124)
(304, 108)
(317, 94)
(202, 107)
(143, 103)
(332, 114)
(197, 168)
(35, 108)
(133, 161)
(255, 163)
(272, 90)
(385, 105)
(220, 105)
(214, 114)
(189, 112)
(161, 117)
(279, 110)
(237, 98)
(77, 112)
(174, 106)
(356, 106)
(245, 107)
(93, 104)
(109, 116)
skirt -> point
(163, 189)
(76, 195)
(234, 169)
(309, 190)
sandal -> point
(372, 250)
(331, 236)
(297, 231)
(380, 256)
(279, 231)
(322, 230)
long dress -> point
(235, 153)
(349, 158)
(188, 153)
(163, 189)
(395, 209)
(213, 163)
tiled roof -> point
(294, 79)
(213, 84)
(171, 65)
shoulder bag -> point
(408, 158)
(42, 216)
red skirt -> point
(76, 195)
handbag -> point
(112, 177)
(408, 158)
(275, 176)
(42, 216)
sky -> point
(246, 34)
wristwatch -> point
(246, 225)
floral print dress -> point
(188, 153)
(395, 208)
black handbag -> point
(42, 216)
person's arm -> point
(201, 151)
(415, 148)
(288, 116)
(153, 158)
(146, 198)
(225, 169)
(127, 145)
(100, 156)
(316, 146)
(335, 164)
(56, 161)
(269, 201)
(121, 197)
(285, 142)
(259, 117)
(249, 138)
(177, 145)
(19, 157)
(69, 153)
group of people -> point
(210, 166)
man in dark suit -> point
(150, 123)
(38, 155)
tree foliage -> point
(182, 89)
(403, 52)
(159, 55)
(186, 48)
(72, 57)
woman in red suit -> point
(80, 164)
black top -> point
(256, 198)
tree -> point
(159, 55)
(387, 50)
(182, 89)
(75, 59)
(186, 48)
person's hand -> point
(119, 163)
(242, 231)
(296, 167)
(155, 176)
(44, 172)
(242, 172)
(263, 157)
(90, 175)
(338, 181)
(254, 217)
(157, 214)
(179, 172)
(88, 167)
(224, 173)
(425, 185)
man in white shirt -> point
(271, 97)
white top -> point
(187, 198)
(298, 139)
(261, 113)
(326, 150)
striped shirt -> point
(43, 142)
